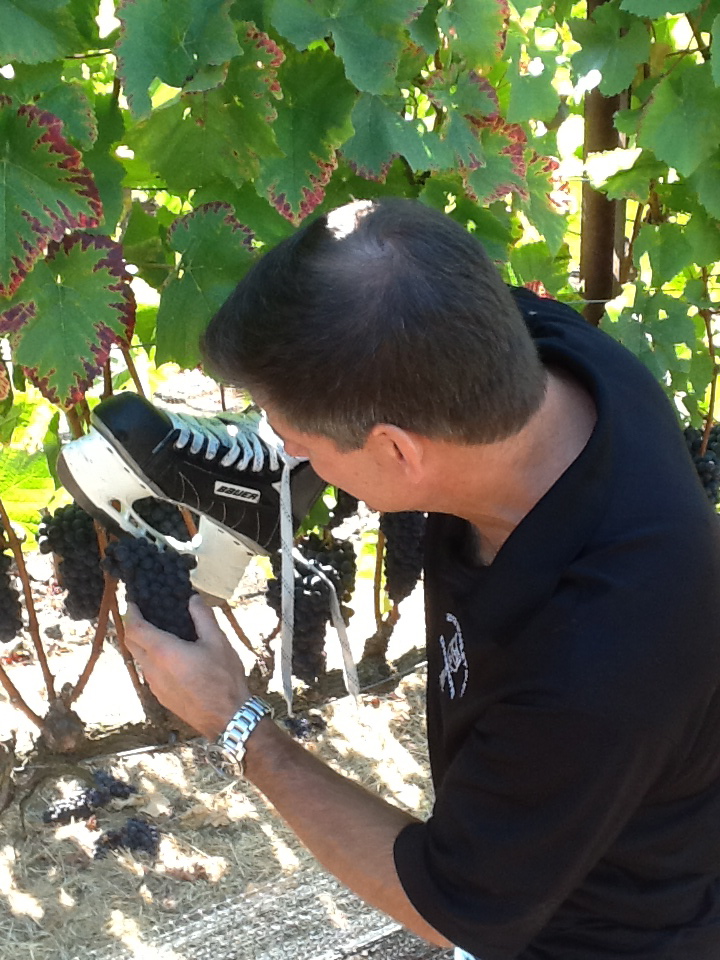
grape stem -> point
(707, 316)
(29, 604)
(16, 699)
(132, 369)
(98, 640)
(239, 632)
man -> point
(572, 597)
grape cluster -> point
(707, 464)
(10, 616)
(404, 534)
(336, 560)
(345, 506)
(70, 534)
(163, 516)
(82, 803)
(135, 835)
(158, 581)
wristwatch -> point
(227, 753)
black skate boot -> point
(229, 469)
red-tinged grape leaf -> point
(368, 37)
(45, 87)
(215, 251)
(467, 101)
(44, 189)
(477, 29)
(313, 120)
(171, 40)
(35, 31)
(681, 124)
(381, 135)
(505, 168)
(69, 311)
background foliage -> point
(149, 150)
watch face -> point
(223, 762)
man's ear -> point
(399, 449)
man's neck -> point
(494, 486)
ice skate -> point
(227, 469)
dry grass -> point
(219, 841)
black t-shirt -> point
(574, 697)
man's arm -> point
(348, 829)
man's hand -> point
(203, 682)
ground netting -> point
(307, 916)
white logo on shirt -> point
(455, 672)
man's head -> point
(381, 312)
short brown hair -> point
(380, 312)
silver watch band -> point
(227, 754)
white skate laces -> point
(246, 450)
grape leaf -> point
(547, 200)
(69, 311)
(634, 183)
(477, 30)
(44, 189)
(313, 121)
(368, 36)
(466, 100)
(715, 61)
(35, 31)
(532, 98)
(667, 248)
(681, 135)
(706, 181)
(26, 486)
(445, 192)
(381, 135)
(215, 138)
(215, 251)
(656, 9)
(613, 43)
(504, 169)
(171, 40)
(45, 87)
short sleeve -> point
(527, 808)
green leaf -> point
(703, 235)
(423, 30)
(84, 14)
(313, 121)
(682, 121)
(71, 309)
(215, 251)
(546, 206)
(475, 29)
(26, 486)
(44, 190)
(368, 36)
(211, 140)
(145, 245)
(613, 43)
(35, 31)
(466, 101)
(535, 261)
(267, 225)
(706, 182)
(381, 135)
(657, 9)
(532, 98)
(667, 248)
(171, 40)
(715, 61)
(634, 184)
(446, 193)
